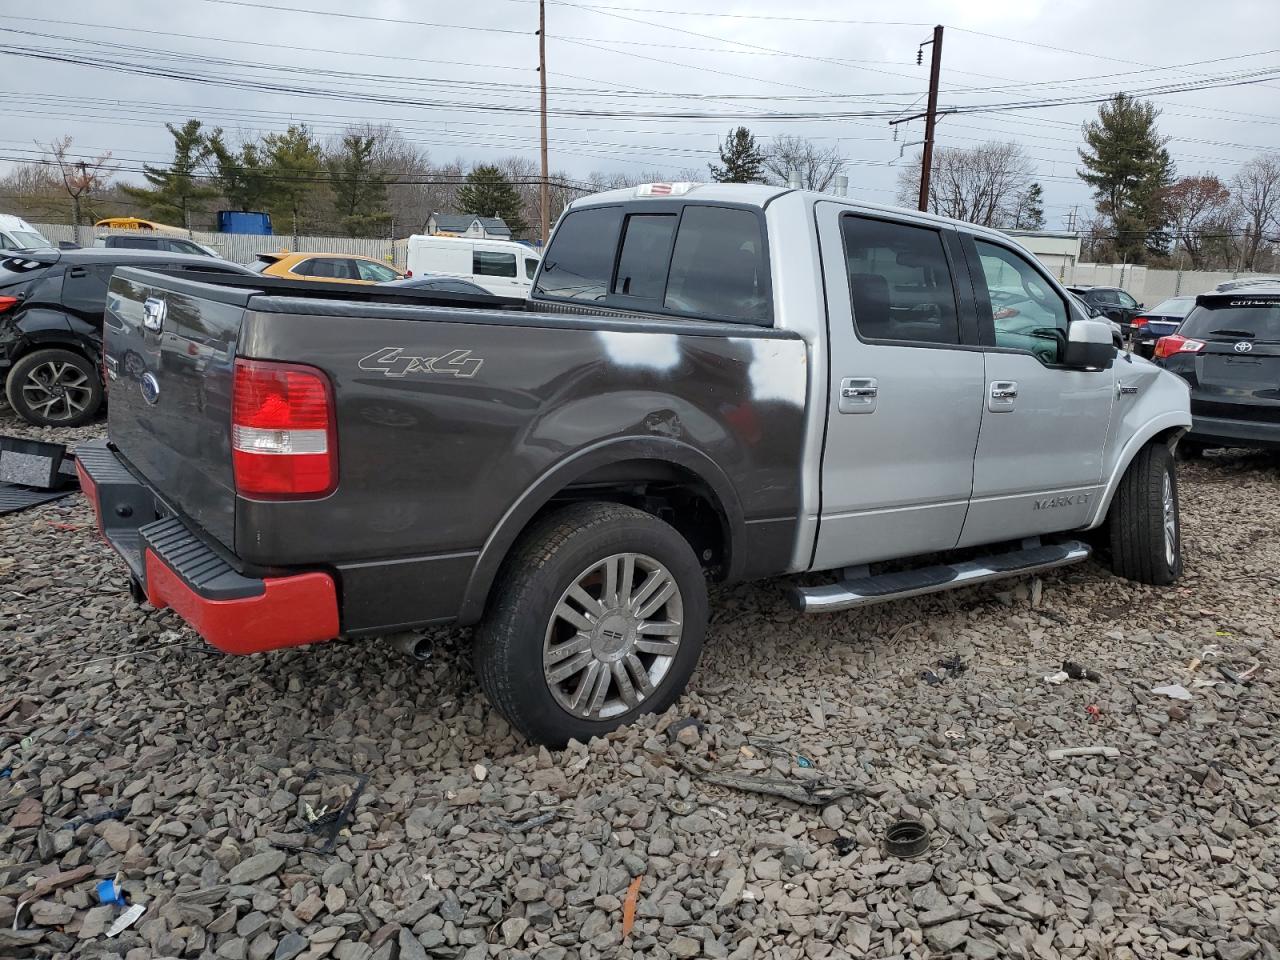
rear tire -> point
(572, 645)
(1145, 524)
(54, 388)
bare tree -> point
(816, 166)
(1256, 190)
(1199, 210)
(985, 184)
(81, 178)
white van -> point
(17, 234)
(502, 267)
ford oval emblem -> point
(150, 387)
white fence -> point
(1144, 284)
(242, 247)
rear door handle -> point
(1002, 396)
(858, 394)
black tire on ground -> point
(573, 545)
(54, 388)
(1144, 520)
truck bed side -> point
(455, 426)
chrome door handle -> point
(1002, 396)
(153, 311)
(858, 394)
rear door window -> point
(899, 282)
(718, 266)
(646, 252)
(491, 263)
(530, 268)
(579, 262)
(132, 243)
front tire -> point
(1145, 524)
(54, 388)
(598, 617)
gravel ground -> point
(466, 842)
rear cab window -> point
(1238, 317)
(703, 261)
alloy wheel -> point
(613, 636)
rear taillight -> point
(1140, 321)
(1168, 346)
(283, 436)
(408, 274)
(7, 304)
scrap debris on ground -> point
(1095, 817)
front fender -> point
(1162, 405)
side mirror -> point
(1090, 346)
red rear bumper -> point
(270, 613)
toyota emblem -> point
(1244, 346)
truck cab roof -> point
(762, 195)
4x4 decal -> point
(394, 362)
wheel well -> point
(671, 493)
(31, 345)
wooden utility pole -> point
(930, 117)
(544, 188)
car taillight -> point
(7, 304)
(1140, 321)
(283, 435)
(1168, 346)
(408, 273)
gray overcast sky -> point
(615, 56)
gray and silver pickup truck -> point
(710, 382)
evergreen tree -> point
(359, 188)
(488, 193)
(1030, 209)
(741, 159)
(294, 163)
(1129, 169)
(241, 175)
(176, 194)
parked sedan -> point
(324, 267)
(1160, 321)
(1228, 350)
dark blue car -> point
(1160, 321)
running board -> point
(862, 591)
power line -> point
(277, 8)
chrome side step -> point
(866, 590)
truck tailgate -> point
(169, 352)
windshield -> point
(28, 239)
(1173, 307)
(1235, 318)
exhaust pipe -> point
(419, 648)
